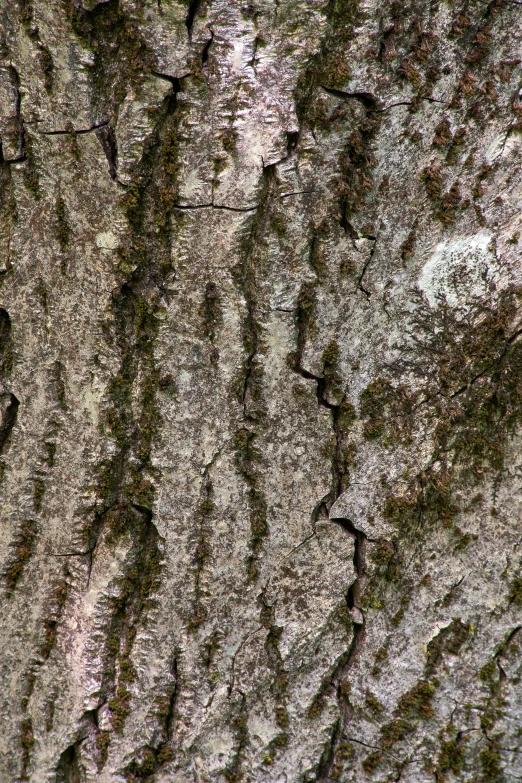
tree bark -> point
(260, 391)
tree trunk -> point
(261, 391)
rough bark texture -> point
(260, 387)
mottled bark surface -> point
(260, 391)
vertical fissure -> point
(193, 9)
(126, 485)
(249, 384)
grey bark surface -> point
(260, 391)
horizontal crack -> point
(215, 206)
(371, 103)
(366, 98)
(174, 80)
(298, 193)
(375, 747)
(19, 159)
(70, 131)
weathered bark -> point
(260, 388)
